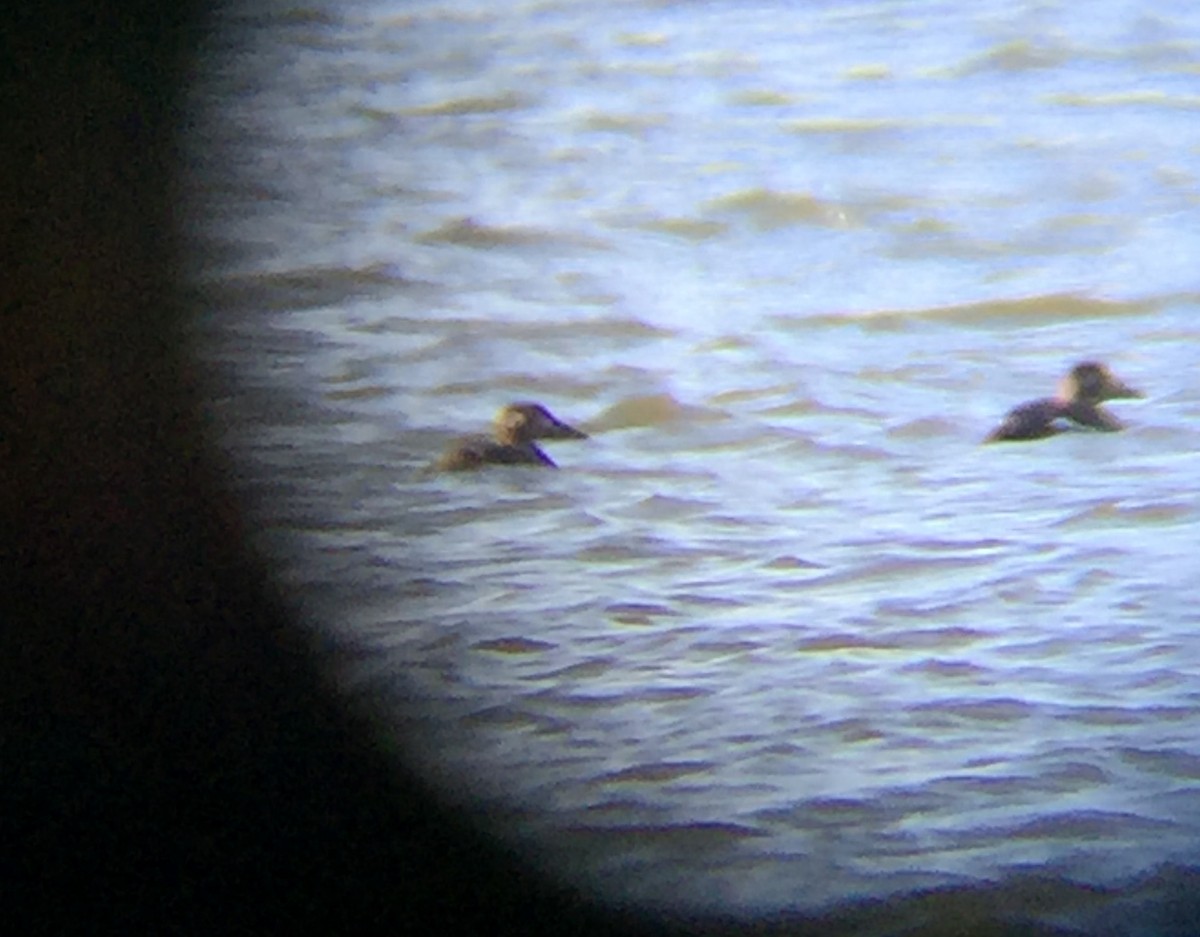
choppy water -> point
(782, 632)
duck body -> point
(512, 441)
(1077, 403)
(473, 452)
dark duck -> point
(1077, 402)
(512, 440)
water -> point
(782, 633)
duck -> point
(512, 441)
(1086, 386)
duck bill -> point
(1119, 390)
(560, 430)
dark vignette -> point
(172, 760)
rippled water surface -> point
(781, 632)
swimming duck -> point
(1078, 400)
(512, 441)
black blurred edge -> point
(172, 759)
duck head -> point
(523, 422)
(1092, 382)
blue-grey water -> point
(782, 633)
